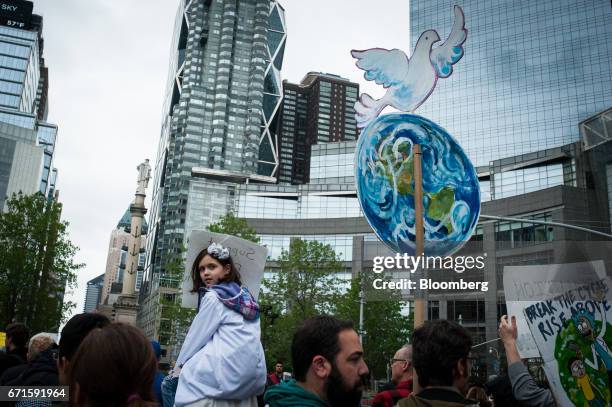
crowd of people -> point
(222, 363)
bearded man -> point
(328, 367)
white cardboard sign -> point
(249, 258)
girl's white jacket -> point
(222, 356)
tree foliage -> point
(386, 329)
(305, 285)
(36, 263)
(231, 225)
(175, 319)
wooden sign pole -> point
(419, 302)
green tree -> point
(386, 329)
(231, 225)
(36, 263)
(304, 285)
(175, 319)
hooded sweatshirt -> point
(437, 397)
(222, 357)
(289, 393)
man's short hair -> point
(317, 336)
(19, 334)
(437, 346)
(76, 329)
(405, 352)
(39, 343)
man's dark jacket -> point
(10, 359)
(41, 371)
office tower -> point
(531, 72)
(24, 82)
(317, 110)
(219, 125)
(93, 293)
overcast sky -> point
(108, 63)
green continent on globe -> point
(399, 166)
(404, 178)
(440, 204)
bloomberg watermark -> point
(404, 262)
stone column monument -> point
(126, 305)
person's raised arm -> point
(524, 388)
(508, 333)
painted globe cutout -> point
(385, 185)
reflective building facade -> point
(218, 129)
(23, 99)
(531, 72)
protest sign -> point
(527, 285)
(572, 332)
(249, 258)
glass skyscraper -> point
(219, 126)
(23, 104)
(531, 71)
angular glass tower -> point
(219, 125)
(268, 141)
(532, 70)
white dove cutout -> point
(409, 82)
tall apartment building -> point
(218, 128)
(24, 82)
(317, 110)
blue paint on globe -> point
(385, 185)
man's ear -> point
(321, 367)
(461, 368)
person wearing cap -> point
(159, 376)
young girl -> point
(222, 361)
